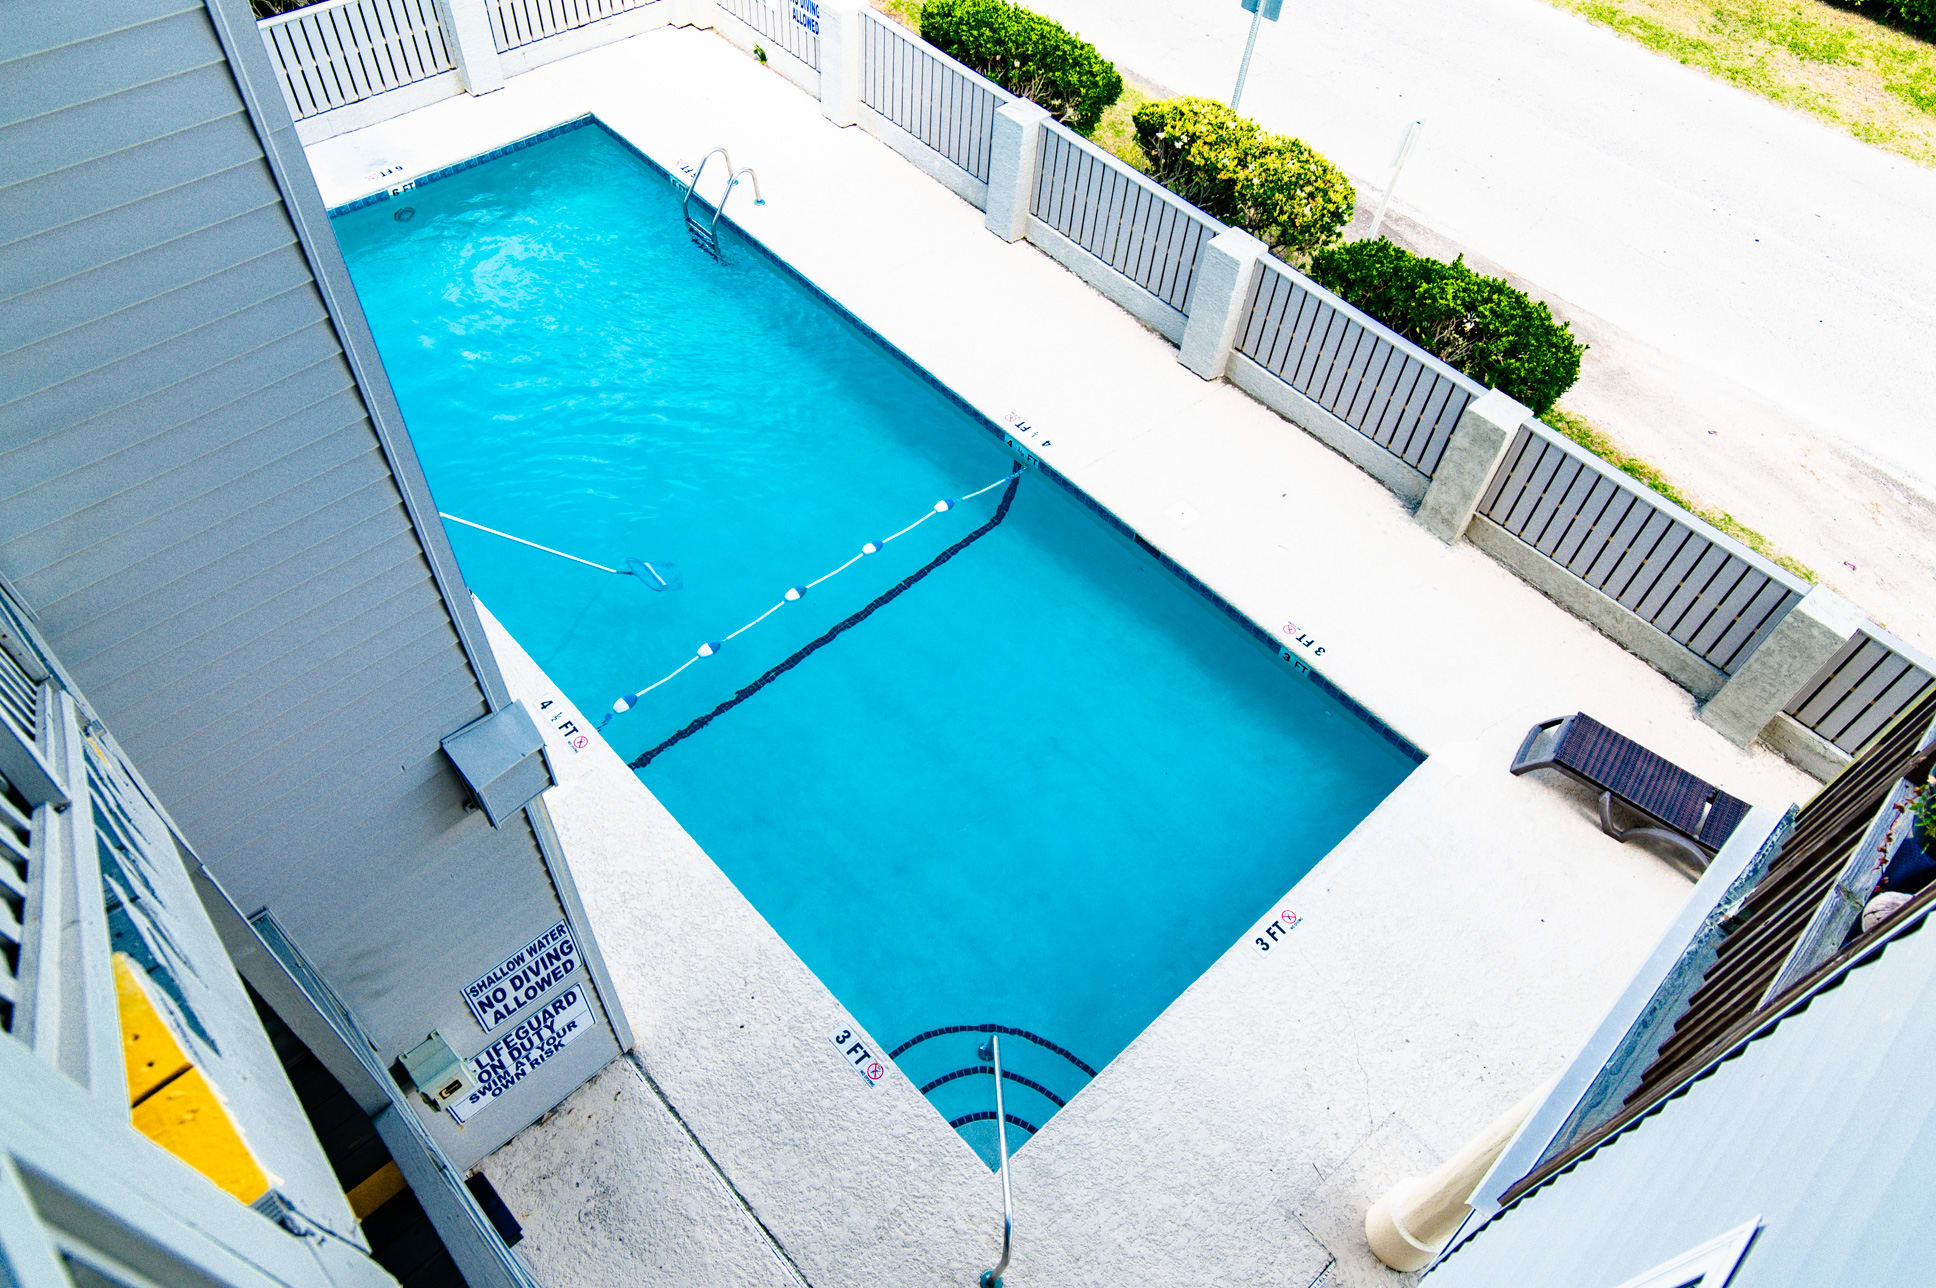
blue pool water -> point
(1044, 788)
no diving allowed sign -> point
(523, 977)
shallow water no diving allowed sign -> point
(523, 977)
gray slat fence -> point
(343, 51)
(1707, 592)
(1139, 228)
(945, 105)
(1359, 370)
(794, 24)
(516, 23)
(1872, 680)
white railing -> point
(1136, 226)
(516, 23)
(793, 24)
(944, 105)
(340, 52)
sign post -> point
(1405, 146)
(1258, 10)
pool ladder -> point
(706, 235)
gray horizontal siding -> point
(132, 280)
(56, 60)
(79, 246)
(202, 512)
(197, 504)
(151, 433)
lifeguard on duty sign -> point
(515, 1056)
(523, 977)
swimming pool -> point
(1042, 788)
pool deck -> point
(1453, 950)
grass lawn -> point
(1860, 75)
(905, 12)
(1117, 133)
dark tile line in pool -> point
(1036, 1038)
(1385, 731)
(518, 145)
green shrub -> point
(1481, 325)
(1026, 54)
(1271, 184)
(1918, 16)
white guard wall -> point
(1824, 1129)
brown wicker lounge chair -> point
(1688, 813)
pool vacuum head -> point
(654, 576)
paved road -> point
(1726, 231)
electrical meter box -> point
(437, 1073)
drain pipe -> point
(991, 1050)
(1408, 1226)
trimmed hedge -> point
(1275, 186)
(1484, 327)
(1026, 54)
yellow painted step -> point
(148, 1045)
(376, 1189)
(172, 1102)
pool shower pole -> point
(992, 1050)
(1260, 11)
(1250, 47)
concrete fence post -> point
(1225, 272)
(1013, 156)
(840, 55)
(467, 30)
(1813, 631)
(1478, 443)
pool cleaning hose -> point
(661, 576)
(794, 593)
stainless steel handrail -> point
(733, 182)
(686, 201)
(991, 1050)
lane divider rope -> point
(793, 593)
(881, 601)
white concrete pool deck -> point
(1452, 951)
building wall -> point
(1824, 1129)
(210, 503)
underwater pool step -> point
(706, 236)
(985, 1029)
(703, 237)
(1008, 1075)
(955, 1077)
(988, 1116)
